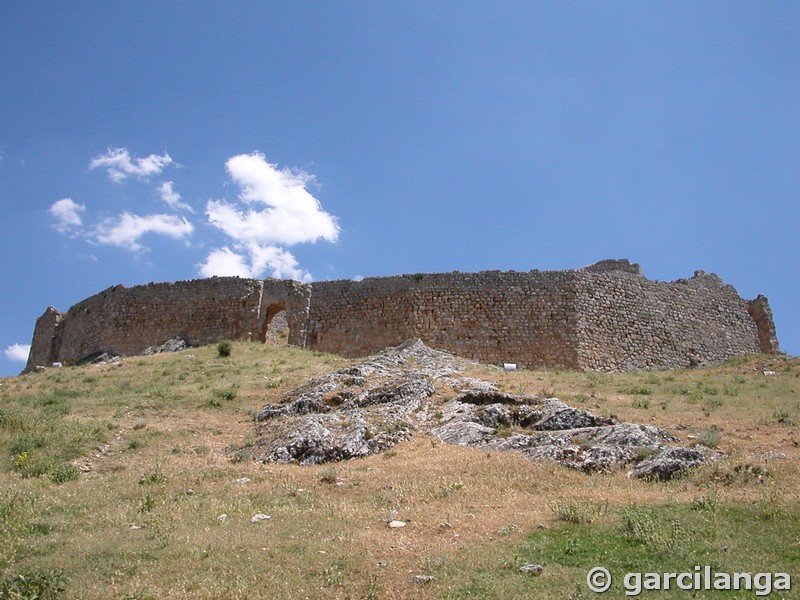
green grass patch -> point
(654, 539)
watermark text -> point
(599, 580)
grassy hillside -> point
(128, 482)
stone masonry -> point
(607, 316)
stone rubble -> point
(173, 345)
(370, 407)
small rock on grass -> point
(396, 524)
(534, 570)
(421, 579)
(257, 518)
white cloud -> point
(279, 263)
(67, 214)
(18, 352)
(224, 262)
(120, 165)
(172, 198)
(128, 228)
(290, 214)
(276, 210)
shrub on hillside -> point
(224, 349)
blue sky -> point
(159, 141)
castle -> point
(606, 316)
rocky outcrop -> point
(173, 345)
(372, 406)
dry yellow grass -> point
(146, 520)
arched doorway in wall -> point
(275, 329)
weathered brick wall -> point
(490, 316)
(355, 318)
(762, 315)
(604, 317)
(519, 317)
(44, 347)
(125, 321)
(629, 322)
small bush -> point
(706, 503)
(28, 465)
(643, 452)
(576, 510)
(155, 476)
(641, 403)
(241, 455)
(503, 431)
(448, 489)
(708, 437)
(329, 475)
(26, 443)
(228, 394)
(640, 525)
(148, 504)
(395, 427)
(135, 444)
(41, 585)
(224, 349)
(769, 506)
(63, 473)
(581, 442)
(637, 390)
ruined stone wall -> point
(603, 317)
(518, 317)
(490, 316)
(762, 315)
(44, 347)
(355, 318)
(125, 321)
(629, 322)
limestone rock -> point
(534, 570)
(372, 406)
(258, 517)
(669, 461)
(172, 345)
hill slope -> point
(135, 481)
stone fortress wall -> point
(607, 316)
